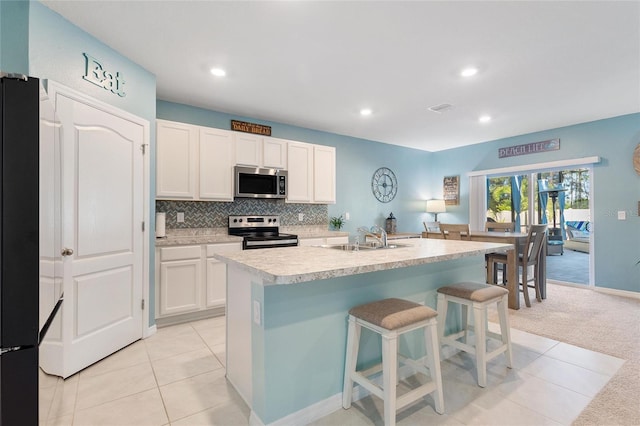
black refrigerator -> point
(19, 275)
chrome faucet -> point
(382, 239)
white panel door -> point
(102, 210)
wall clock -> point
(384, 185)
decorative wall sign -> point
(95, 73)
(243, 126)
(451, 190)
(529, 148)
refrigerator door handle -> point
(49, 320)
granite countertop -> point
(290, 265)
(190, 236)
(179, 237)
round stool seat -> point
(476, 292)
(393, 314)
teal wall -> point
(56, 50)
(615, 186)
(14, 36)
(356, 161)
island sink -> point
(363, 247)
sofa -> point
(578, 235)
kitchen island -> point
(287, 315)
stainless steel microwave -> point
(254, 182)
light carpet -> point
(600, 322)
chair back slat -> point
(431, 226)
(534, 242)
(500, 226)
(455, 231)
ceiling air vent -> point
(440, 108)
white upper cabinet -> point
(216, 164)
(312, 173)
(176, 160)
(259, 151)
(299, 180)
(248, 149)
(274, 153)
(324, 174)
(194, 163)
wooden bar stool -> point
(391, 318)
(478, 297)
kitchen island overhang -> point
(287, 315)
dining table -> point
(518, 239)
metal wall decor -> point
(384, 184)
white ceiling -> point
(315, 64)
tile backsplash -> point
(209, 214)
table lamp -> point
(435, 207)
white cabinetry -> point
(248, 149)
(324, 174)
(194, 163)
(217, 274)
(216, 164)
(312, 173)
(180, 279)
(274, 154)
(189, 280)
(299, 182)
(176, 160)
(258, 151)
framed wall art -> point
(451, 190)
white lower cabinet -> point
(189, 279)
(216, 294)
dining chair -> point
(500, 226)
(529, 256)
(455, 231)
(497, 227)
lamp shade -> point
(436, 206)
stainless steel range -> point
(260, 232)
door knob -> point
(66, 252)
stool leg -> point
(505, 331)
(465, 322)
(351, 358)
(479, 313)
(442, 316)
(433, 360)
(389, 374)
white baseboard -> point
(616, 292)
(149, 331)
(612, 291)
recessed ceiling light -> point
(218, 72)
(484, 118)
(365, 111)
(469, 72)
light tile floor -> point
(176, 377)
